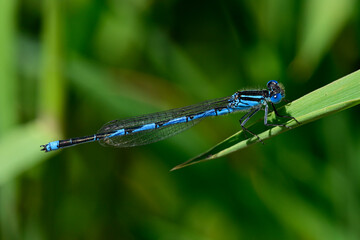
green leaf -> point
(332, 98)
(315, 37)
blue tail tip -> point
(44, 148)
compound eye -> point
(272, 83)
(276, 98)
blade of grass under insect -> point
(332, 98)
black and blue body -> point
(154, 127)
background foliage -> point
(67, 67)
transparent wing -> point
(154, 135)
(148, 136)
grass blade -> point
(332, 98)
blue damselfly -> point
(154, 127)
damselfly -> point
(154, 127)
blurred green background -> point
(68, 67)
